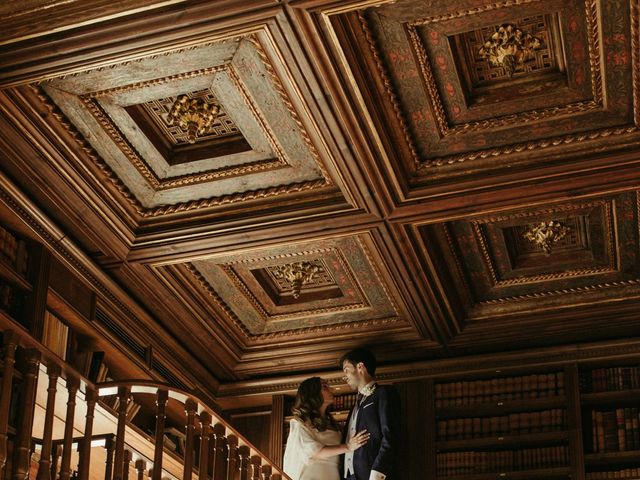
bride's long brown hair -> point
(307, 405)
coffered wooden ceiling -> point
(371, 144)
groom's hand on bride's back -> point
(358, 440)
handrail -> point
(149, 387)
(231, 452)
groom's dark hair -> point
(360, 355)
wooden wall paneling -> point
(574, 417)
(418, 420)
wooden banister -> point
(224, 453)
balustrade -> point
(222, 453)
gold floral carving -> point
(193, 115)
(546, 234)
(508, 47)
(167, 209)
(482, 241)
(297, 274)
(441, 120)
(359, 325)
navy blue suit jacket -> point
(379, 414)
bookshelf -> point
(502, 426)
(15, 285)
(610, 404)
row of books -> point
(615, 430)
(627, 473)
(14, 251)
(55, 335)
(512, 424)
(12, 300)
(610, 379)
(499, 389)
(344, 402)
(457, 463)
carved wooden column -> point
(276, 431)
(161, 405)
(10, 343)
(203, 465)
(244, 453)
(23, 441)
(190, 408)
(233, 459)
(256, 468)
(91, 397)
(65, 465)
(108, 464)
(141, 466)
(127, 464)
(44, 470)
(123, 396)
(219, 452)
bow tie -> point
(359, 399)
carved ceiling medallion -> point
(193, 115)
(297, 274)
(545, 234)
(509, 47)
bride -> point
(313, 448)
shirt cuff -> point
(377, 475)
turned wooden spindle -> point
(141, 466)
(65, 465)
(10, 344)
(244, 453)
(256, 467)
(219, 459)
(233, 458)
(203, 465)
(109, 446)
(22, 445)
(124, 394)
(55, 457)
(91, 397)
(161, 406)
(265, 472)
(190, 407)
(44, 469)
(127, 464)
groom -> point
(377, 410)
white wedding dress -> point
(304, 442)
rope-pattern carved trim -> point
(111, 176)
(156, 81)
(529, 146)
(635, 59)
(86, 147)
(159, 184)
(441, 119)
(497, 282)
(235, 197)
(277, 83)
(593, 42)
(390, 90)
(285, 333)
(564, 291)
(471, 11)
(266, 317)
